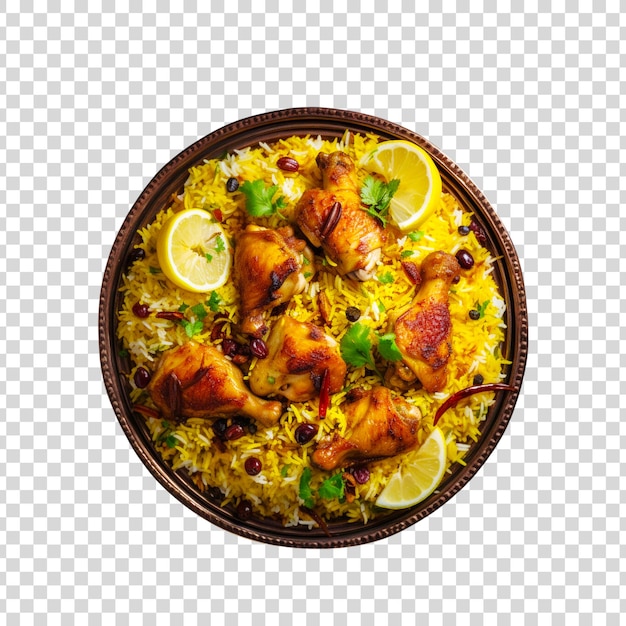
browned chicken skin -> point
(379, 425)
(299, 353)
(196, 380)
(268, 270)
(349, 236)
(423, 330)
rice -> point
(275, 491)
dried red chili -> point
(468, 391)
(324, 394)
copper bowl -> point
(269, 127)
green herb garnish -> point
(386, 278)
(332, 487)
(260, 199)
(356, 347)
(183, 307)
(208, 257)
(305, 493)
(213, 302)
(219, 247)
(199, 311)
(284, 470)
(271, 380)
(405, 253)
(416, 235)
(123, 353)
(171, 441)
(481, 307)
(376, 195)
(387, 347)
(155, 270)
(192, 328)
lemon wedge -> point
(419, 192)
(193, 251)
(419, 475)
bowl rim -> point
(248, 131)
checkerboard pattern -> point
(527, 98)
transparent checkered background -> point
(92, 104)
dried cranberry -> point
(215, 493)
(229, 346)
(287, 164)
(235, 431)
(136, 255)
(353, 314)
(219, 427)
(361, 474)
(141, 310)
(479, 233)
(259, 348)
(142, 377)
(252, 466)
(465, 259)
(244, 510)
(305, 432)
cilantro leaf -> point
(416, 235)
(332, 487)
(387, 347)
(376, 195)
(171, 441)
(386, 278)
(192, 328)
(284, 470)
(356, 346)
(199, 311)
(219, 247)
(305, 493)
(259, 198)
(405, 253)
(183, 307)
(481, 307)
(208, 257)
(213, 302)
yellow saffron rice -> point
(275, 490)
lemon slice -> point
(419, 475)
(420, 182)
(193, 251)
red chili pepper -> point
(147, 411)
(324, 394)
(217, 214)
(173, 316)
(468, 391)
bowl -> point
(269, 127)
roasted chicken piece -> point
(196, 380)
(378, 425)
(268, 271)
(299, 353)
(423, 330)
(333, 218)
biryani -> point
(267, 467)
